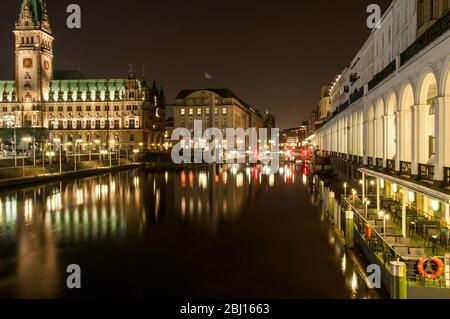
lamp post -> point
(58, 143)
(345, 189)
(103, 152)
(385, 217)
(97, 143)
(354, 196)
(135, 152)
(366, 203)
(50, 155)
(26, 140)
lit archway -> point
(370, 132)
(379, 134)
(424, 119)
(404, 119)
(390, 130)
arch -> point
(427, 86)
(391, 104)
(379, 111)
(406, 100)
(445, 79)
(424, 128)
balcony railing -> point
(379, 77)
(435, 31)
(356, 95)
(379, 163)
(370, 161)
(426, 172)
(447, 176)
(405, 168)
(390, 164)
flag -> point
(208, 76)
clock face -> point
(27, 63)
(46, 65)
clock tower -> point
(34, 57)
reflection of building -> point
(219, 108)
(73, 108)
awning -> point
(434, 194)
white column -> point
(389, 137)
(404, 202)
(378, 195)
(366, 141)
(442, 123)
(419, 142)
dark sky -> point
(273, 54)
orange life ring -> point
(434, 275)
(368, 232)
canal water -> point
(228, 232)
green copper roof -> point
(36, 7)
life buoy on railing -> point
(368, 232)
(430, 275)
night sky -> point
(273, 54)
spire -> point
(34, 13)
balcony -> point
(379, 77)
(435, 31)
(390, 165)
(370, 161)
(426, 172)
(380, 163)
(358, 94)
(405, 168)
(447, 176)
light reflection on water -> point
(42, 228)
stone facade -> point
(126, 112)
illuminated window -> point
(224, 111)
(183, 112)
(191, 111)
(199, 111)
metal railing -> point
(447, 176)
(379, 77)
(426, 172)
(370, 161)
(405, 168)
(435, 31)
(390, 165)
(380, 163)
(386, 252)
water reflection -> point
(43, 228)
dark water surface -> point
(233, 232)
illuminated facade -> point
(125, 112)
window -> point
(116, 108)
(199, 111)
(79, 109)
(224, 111)
(69, 109)
(135, 107)
(88, 108)
(88, 124)
(432, 146)
(106, 108)
(5, 109)
(128, 107)
(97, 108)
(191, 111)
(131, 124)
(183, 112)
(97, 124)
(60, 108)
(131, 137)
(116, 124)
(79, 127)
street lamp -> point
(135, 151)
(345, 189)
(102, 152)
(366, 203)
(385, 217)
(97, 143)
(27, 141)
(354, 196)
(50, 156)
(58, 142)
